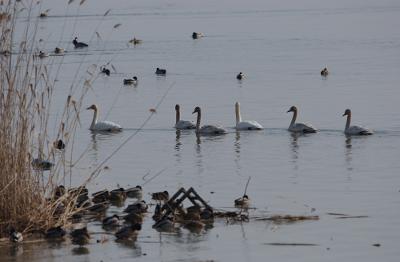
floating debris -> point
(290, 244)
(288, 218)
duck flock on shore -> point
(126, 223)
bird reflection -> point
(178, 145)
(199, 156)
(348, 153)
(294, 146)
(237, 146)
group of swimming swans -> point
(295, 127)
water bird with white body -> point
(102, 126)
(245, 125)
(182, 124)
(299, 127)
(355, 130)
(207, 129)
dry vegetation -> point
(25, 105)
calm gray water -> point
(281, 46)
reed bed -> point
(26, 92)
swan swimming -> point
(105, 126)
(299, 127)
(355, 130)
(207, 129)
(182, 124)
(245, 125)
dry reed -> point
(25, 104)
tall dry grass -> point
(25, 106)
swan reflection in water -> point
(348, 153)
(294, 146)
(237, 146)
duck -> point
(40, 164)
(15, 236)
(44, 14)
(99, 207)
(100, 196)
(134, 192)
(55, 232)
(324, 72)
(128, 231)
(131, 81)
(207, 129)
(139, 206)
(207, 214)
(245, 125)
(160, 71)
(240, 76)
(59, 50)
(299, 127)
(105, 71)
(118, 194)
(79, 44)
(355, 130)
(243, 201)
(81, 190)
(112, 221)
(197, 35)
(165, 224)
(80, 236)
(102, 126)
(182, 124)
(194, 226)
(59, 191)
(157, 213)
(160, 196)
(134, 218)
(43, 54)
(135, 41)
(59, 144)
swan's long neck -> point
(293, 118)
(348, 121)
(198, 122)
(178, 116)
(238, 116)
(94, 121)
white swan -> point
(355, 130)
(105, 126)
(182, 124)
(207, 129)
(245, 125)
(299, 127)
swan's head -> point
(245, 197)
(347, 112)
(177, 107)
(134, 78)
(92, 107)
(197, 110)
(76, 38)
(292, 109)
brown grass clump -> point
(25, 101)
